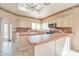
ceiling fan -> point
(35, 6)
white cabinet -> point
(59, 46)
(53, 48)
(59, 22)
(70, 21)
(46, 49)
(52, 21)
(65, 21)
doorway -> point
(7, 31)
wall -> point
(75, 41)
(26, 22)
(5, 18)
(68, 19)
(16, 21)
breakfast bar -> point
(44, 44)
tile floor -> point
(8, 48)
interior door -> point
(7, 31)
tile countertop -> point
(44, 38)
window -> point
(36, 26)
(45, 26)
(33, 25)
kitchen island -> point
(44, 44)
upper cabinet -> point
(51, 20)
(59, 22)
(70, 20)
(64, 21)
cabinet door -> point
(52, 21)
(65, 21)
(59, 22)
(59, 46)
(70, 21)
(46, 49)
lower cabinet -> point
(59, 46)
(46, 49)
(53, 48)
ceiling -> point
(47, 11)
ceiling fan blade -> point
(33, 7)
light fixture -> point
(32, 7)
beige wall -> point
(75, 25)
(26, 22)
(68, 19)
(16, 21)
(6, 17)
